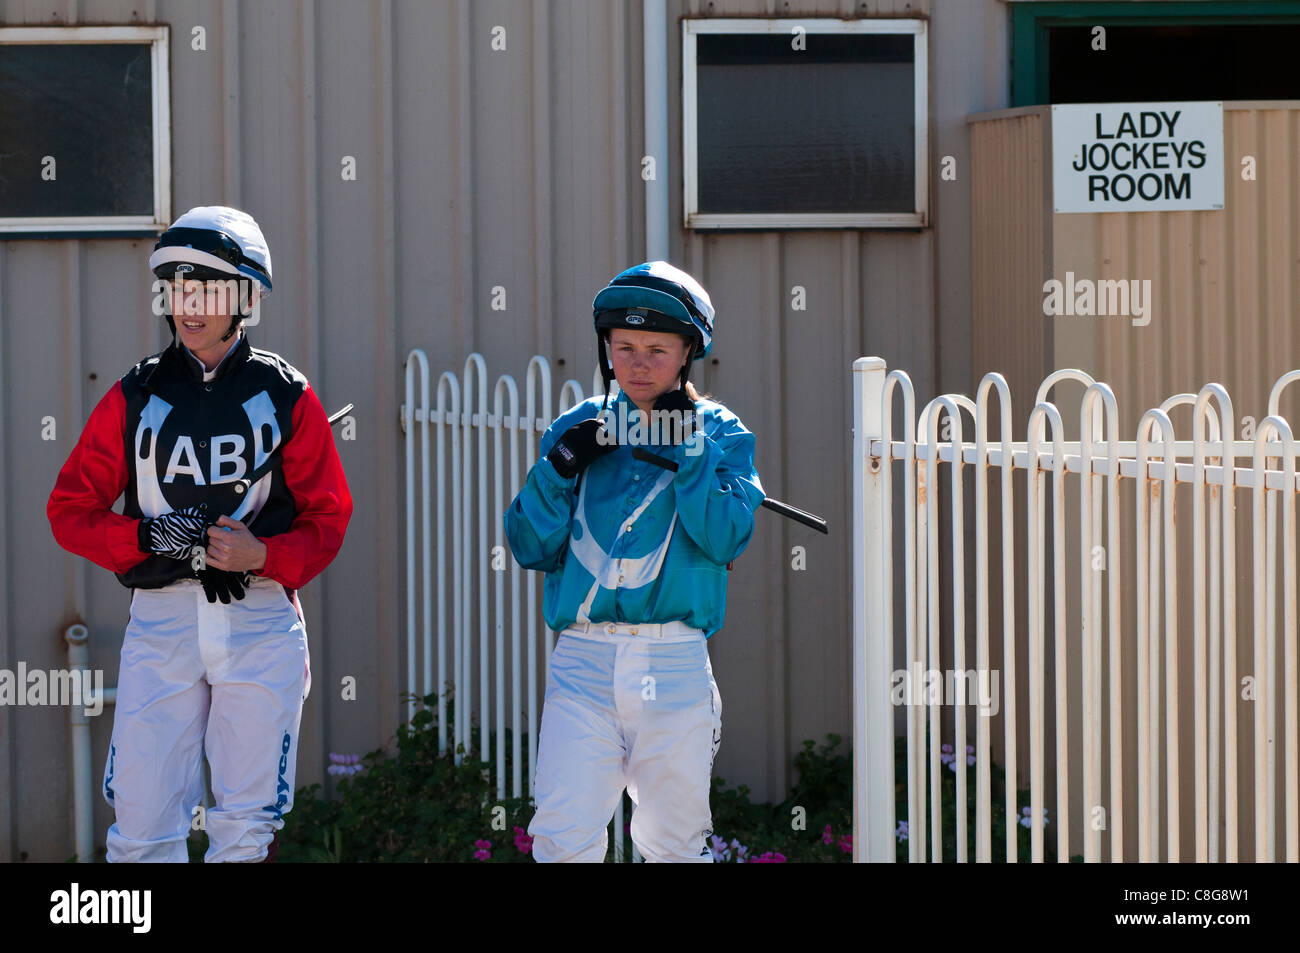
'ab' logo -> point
(228, 460)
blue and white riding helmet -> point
(657, 296)
(653, 296)
(214, 242)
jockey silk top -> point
(629, 541)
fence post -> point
(873, 724)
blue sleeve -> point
(718, 490)
(537, 523)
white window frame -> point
(693, 218)
(157, 38)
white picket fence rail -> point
(1101, 461)
(455, 507)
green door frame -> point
(1029, 23)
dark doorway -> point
(1174, 63)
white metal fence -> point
(1129, 620)
(455, 507)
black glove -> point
(222, 584)
(579, 446)
(683, 423)
(174, 534)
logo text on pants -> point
(276, 810)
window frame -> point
(918, 217)
(158, 38)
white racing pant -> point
(630, 706)
(198, 678)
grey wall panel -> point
(986, 86)
(355, 276)
(8, 647)
(43, 354)
(809, 8)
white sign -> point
(1137, 157)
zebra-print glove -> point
(175, 534)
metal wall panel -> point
(1008, 250)
(1224, 308)
(808, 8)
(1010, 199)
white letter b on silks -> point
(220, 456)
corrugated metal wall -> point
(1225, 289)
(475, 169)
(1224, 308)
(1009, 206)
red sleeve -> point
(314, 475)
(80, 509)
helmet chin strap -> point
(235, 321)
(693, 346)
(248, 290)
(606, 371)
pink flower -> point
(769, 858)
(344, 764)
(1027, 820)
(846, 844)
(718, 848)
(827, 837)
(482, 855)
(484, 850)
(523, 843)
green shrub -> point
(812, 825)
(948, 813)
(414, 805)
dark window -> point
(1176, 63)
(830, 128)
(90, 107)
